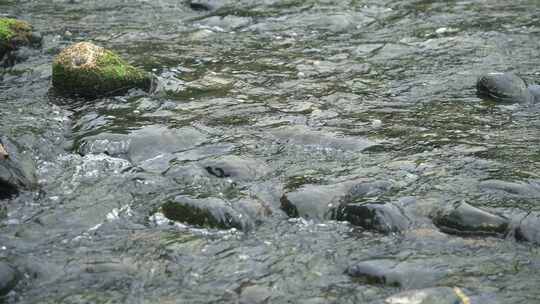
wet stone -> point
(463, 219)
(325, 202)
(437, 295)
(8, 278)
(385, 218)
(503, 87)
(303, 136)
(145, 144)
(15, 37)
(314, 201)
(236, 168)
(528, 229)
(405, 274)
(207, 212)
(16, 171)
(89, 70)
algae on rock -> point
(14, 34)
(88, 70)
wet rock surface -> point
(367, 106)
(405, 274)
(16, 171)
(503, 87)
(210, 212)
(384, 218)
(462, 218)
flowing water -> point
(309, 92)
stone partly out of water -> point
(436, 295)
(405, 274)
(87, 70)
(8, 278)
(528, 229)
(503, 87)
(16, 171)
(535, 92)
(15, 34)
(385, 218)
(463, 219)
(314, 201)
(337, 202)
(208, 212)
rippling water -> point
(314, 92)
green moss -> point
(9, 28)
(13, 30)
(110, 75)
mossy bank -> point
(87, 70)
(13, 35)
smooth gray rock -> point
(16, 171)
(322, 202)
(145, 144)
(528, 229)
(236, 168)
(314, 201)
(391, 272)
(503, 87)
(463, 219)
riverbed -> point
(287, 95)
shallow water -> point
(312, 92)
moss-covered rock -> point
(13, 35)
(88, 70)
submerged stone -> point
(15, 34)
(207, 212)
(8, 278)
(436, 295)
(87, 70)
(406, 274)
(503, 87)
(463, 219)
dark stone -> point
(8, 278)
(207, 212)
(406, 274)
(436, 295)
(15, 171)
(528, 229)
(463, 219)
(204, 5)
(385, 218)
(503, 87)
